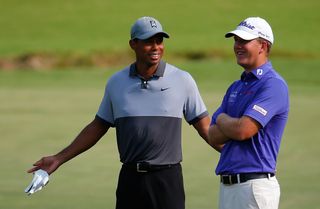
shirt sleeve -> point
(271, 99)
(194, 107)
(105, 111)
(215, 115)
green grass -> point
(97, 25)
(41, 112)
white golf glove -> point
(40, 179)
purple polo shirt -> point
(262, 95)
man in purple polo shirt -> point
(248, 126)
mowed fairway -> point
(41, 112)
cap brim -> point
(242, 34)
(149, 35)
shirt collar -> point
(257, 73)
(159, 73)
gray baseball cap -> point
(146, 27)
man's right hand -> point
(49, 164)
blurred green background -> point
(44, 106)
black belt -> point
(243, 177)
(147, 167)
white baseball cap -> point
(146, 27)
(252, 28)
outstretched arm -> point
(88, 137)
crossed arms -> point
(228, 128)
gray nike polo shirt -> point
(148, 115)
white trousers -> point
(254, 194)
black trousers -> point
(161, 189)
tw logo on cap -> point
(153, 24)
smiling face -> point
(150, 51)
(250, 54)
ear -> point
(264, 47)
(132, 44)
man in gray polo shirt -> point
(145, 102)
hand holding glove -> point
(40, 179)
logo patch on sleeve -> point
(260, 110)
